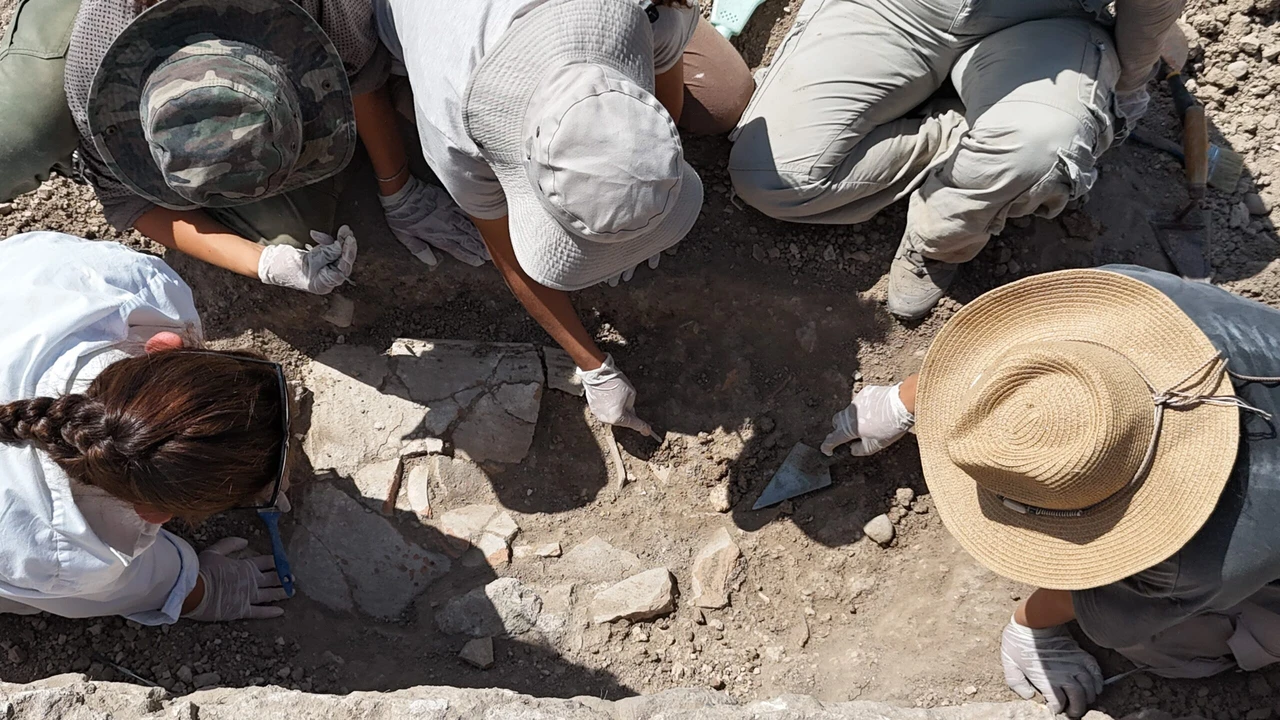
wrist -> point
(196, 598)
(388, 188)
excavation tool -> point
(271, 517)
(804, 471)
(99, 657)
(1225, 166)
(1185, 237)
(729, 17)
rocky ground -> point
(476, 563)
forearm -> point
(1045, 609)
(552, 309)
(194, 597)
(201, 237)
(669, 89)
(1140, 30)
(379, 131)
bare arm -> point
(669, 89)
(380, 132)
(203, 238)
(1141, 26)
(551, 308)
(907, 393)
(1045, 609)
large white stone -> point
(503, 608)
(597, 561)
(640, 597)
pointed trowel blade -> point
(804, 470)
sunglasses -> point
(286, 414)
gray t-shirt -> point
(1237, 552)
(348, 23)
(441, 43)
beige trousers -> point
(842, 124)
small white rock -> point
(720, 499)
(478, 652)
(1238, 69)
(550, 550)
(341, 312)
(904, 497)
(880, 529)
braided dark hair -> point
(191, 434)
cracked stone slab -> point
(496, 389)
(371, 407)
(349, 558)
(562, 372)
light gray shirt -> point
(441, 43)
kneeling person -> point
(110, 426)
(1105, 436)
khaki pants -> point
(839, 128)
(37, 132)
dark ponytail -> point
(187, 433)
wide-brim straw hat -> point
(1036, 410)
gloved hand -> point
(876, 419)
(423, 216)
(1132, 105)
(1052, 662)
(611, 397)
(626, 275)
(237, 589)
(319, 270)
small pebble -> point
(6, 209)
(204, 680)
(1256, 204)
(904, 497)
(1239, 69)
(880, 529)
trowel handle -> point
(1195, 133)
(1195, 147)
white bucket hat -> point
(591, 163)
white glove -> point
(423, 216)
(319, 270)
(237, 589)
(1132, 105)
(1050, 661)
(876, 419)
(626, 275)
(611, 397)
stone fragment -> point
(880, 529)
(1238, 69)
(204, 680)
(503, 608)
(1270, 52)
(717, 571)
(550, 550)
(1256, 204)
(184, 674)
(418, 490)
(422, 446)
(488, 528)
(6, 209)
(562, 372)
(478, 652)
(341, 312)
(721, 498)
(1239, 215)
(348, 558)
(640, 597)
(597, 561)
(904, 497)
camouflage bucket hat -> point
(217, 103)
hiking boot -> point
(916, 283)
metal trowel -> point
(805, 470)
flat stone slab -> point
(503, 608)
(372, 407)
(717, 571)
(640, 597)
(348, 558)
(597, 561)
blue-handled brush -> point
(729, 17)
(271, 518)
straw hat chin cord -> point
(1177, 397)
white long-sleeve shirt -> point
(68, 309)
